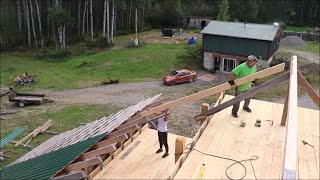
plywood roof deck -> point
(140, 161)
(222, 138)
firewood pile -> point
(24, 79)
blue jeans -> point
(237, 105)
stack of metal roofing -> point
(103, 125)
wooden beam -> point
(244, 96)
(285, 108)
(24, 145)
(83, 164)
(98, 152)
(123, 131)
(72, 175)
(306, 86)
(120, 138)
(132, 123)
(214, 90)
(157, 103)
(291, 146)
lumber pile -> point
(35, 132)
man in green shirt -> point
(244, 69)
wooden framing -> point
(120, 138)
(72, 175)
(244, 96)
(113, 143)
(111, 157)
(291, 147)
(83, 164)
(123, 131)
(214, 90)
(306, 86)
(285, 109)
(98, 152)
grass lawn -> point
(64, 118)
(295, 29)
(129, 65)
(309, 46)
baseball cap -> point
(253, 58)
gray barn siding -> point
(236, 46)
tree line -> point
(53, 23)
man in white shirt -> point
(162, 133)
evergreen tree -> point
(223, 14)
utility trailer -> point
(22, 99)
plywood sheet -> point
(140, 161)
(224, 137)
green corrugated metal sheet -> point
(236, 29)
(235, 46)
(44, 166)
(16, 132)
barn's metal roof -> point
(240, 30)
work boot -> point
(235, 115)
(159, 151)
(248, 110)
(165, 155)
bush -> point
(192, 56)
(99, 42)
(52, 54)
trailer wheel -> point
(21, 104)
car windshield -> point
(173, 73)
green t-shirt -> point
(241, 71)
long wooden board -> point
(306, 86)
(244, 96)
(214, 90)
(290, 153)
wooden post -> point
(204, 108)
(180, 145)
(291, 145)
(285, 108)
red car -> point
(179, 76)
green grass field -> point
(295, 29)
(129, 65)
(309, 46)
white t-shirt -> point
(162, 125)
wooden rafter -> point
(139, 121)
(98, 152)
(120, 138)
(72, 175)
(307, 87)
(244, 96)
(123, 131)
(84, 164)
(214, 90)
(291, 145)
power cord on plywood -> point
(252, 158)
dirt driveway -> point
(124, 95)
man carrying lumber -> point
(244, 69)
(162, 133)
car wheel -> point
(172, 83)
(191, 80)
(21, 104)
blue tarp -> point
(192, 41)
